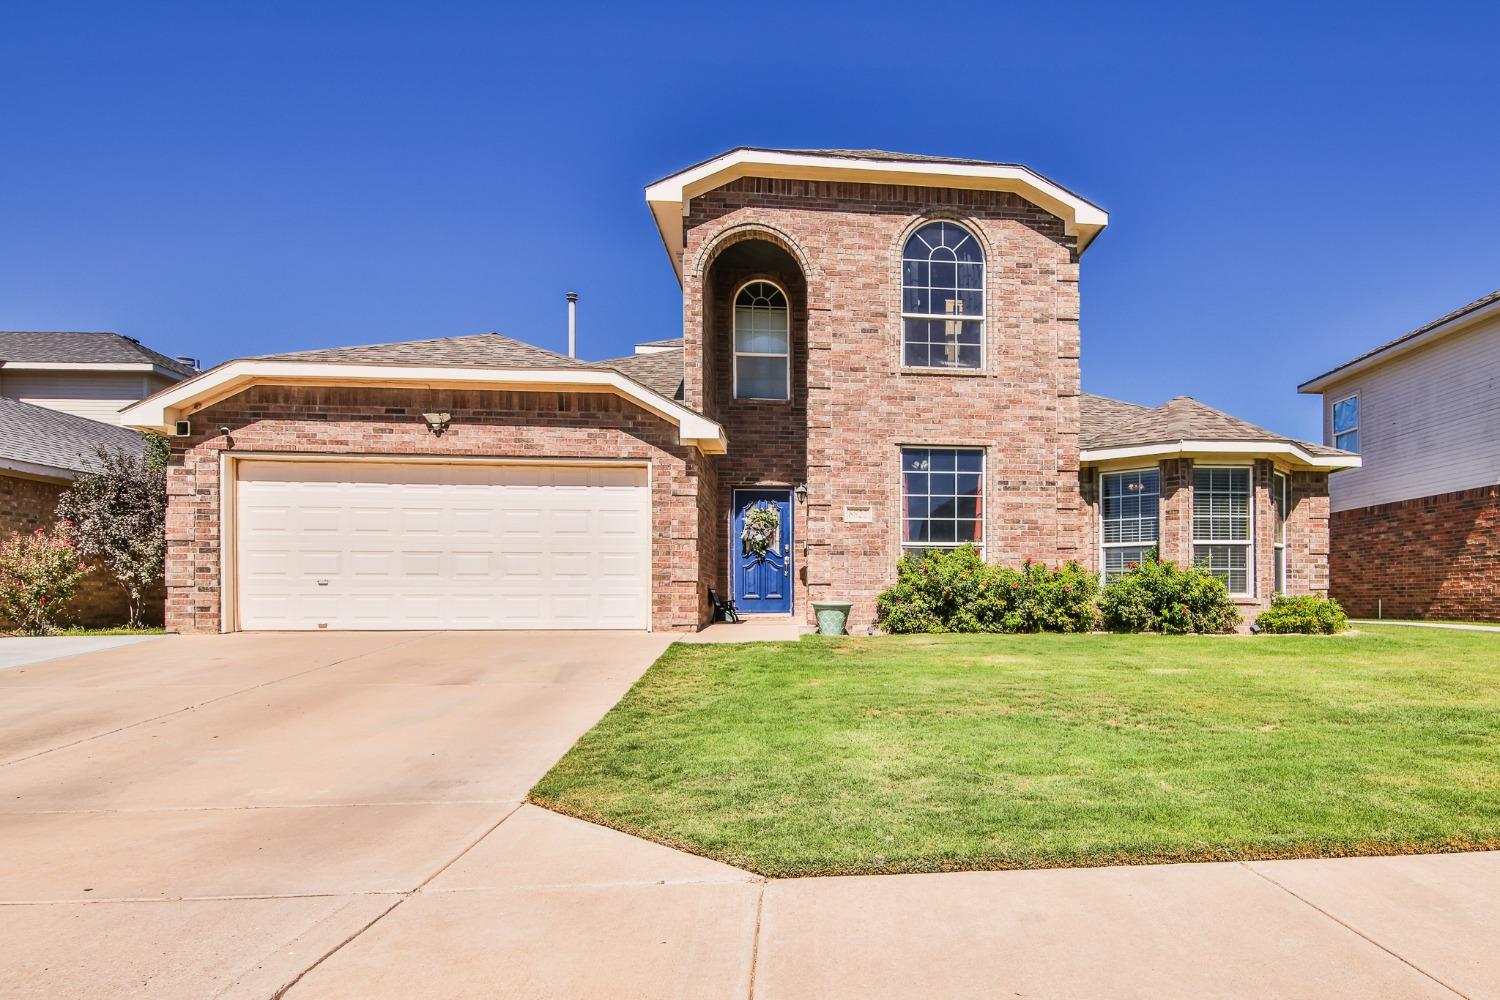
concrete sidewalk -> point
(23, 650)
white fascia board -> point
(670, 197)
(160, 411)
(1181, 449)
(1329, 379)
(35, 470)
(91, 366)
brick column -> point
(1177, 510)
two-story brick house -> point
(879, 352)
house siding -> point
(486, 424)
(95, 395)
(1429, 422)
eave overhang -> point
(1289, 451)
(160, 411)
(670, 197)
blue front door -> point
(763, 582)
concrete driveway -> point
(339, 816)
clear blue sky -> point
(1288, 185)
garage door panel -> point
(498, 546)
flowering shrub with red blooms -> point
(39, 573)
(955, 590)
(1156, 596)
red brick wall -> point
(29, 504)
(860, 405)
(1431, 557)
(328, 420)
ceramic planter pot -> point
(832, 616)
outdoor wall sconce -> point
(437, 422)
(801, 493)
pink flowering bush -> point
(39, 573)
(955, 590)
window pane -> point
(1130, 502)
(1221, 505)
(940, 343)
(1348, 441)
(1346, 414)
(1279, 504)
(941, 506)
(760, 331)
(761, 378)
(1227, 562)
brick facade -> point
(29, 504)
(387, 421)
(838, 247)
(1431, 557)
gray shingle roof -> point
(1464, 310)
(55, 439)
(41, 347)
(475, 349)
(659, 371)
(1111, 423)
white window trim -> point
(984, 299)
(903, 546)
(734, 322)
(1248, 544)
(1103, 545)
(1281, 484)
(1333, 434)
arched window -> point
(942, 298)
(762, 346)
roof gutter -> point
(1197, 448)
(159, 412)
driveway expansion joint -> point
(1356, 931)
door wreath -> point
(762, 528)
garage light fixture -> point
(438, 422)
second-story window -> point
(1346, 423)
(762, 345)
(942, 298)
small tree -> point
(39, 574)
(118, 517)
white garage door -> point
(361, 545)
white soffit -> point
(670, 197)
(160, 411)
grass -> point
(113, 630)
(942, 753)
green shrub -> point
(39, 573)
(1156, 596)
(955, 590)
(1308, 614)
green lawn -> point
(919, 753)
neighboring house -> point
(41, 452)
(90, 375)
(1416, 529)
(882, 349)
(60, 401)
